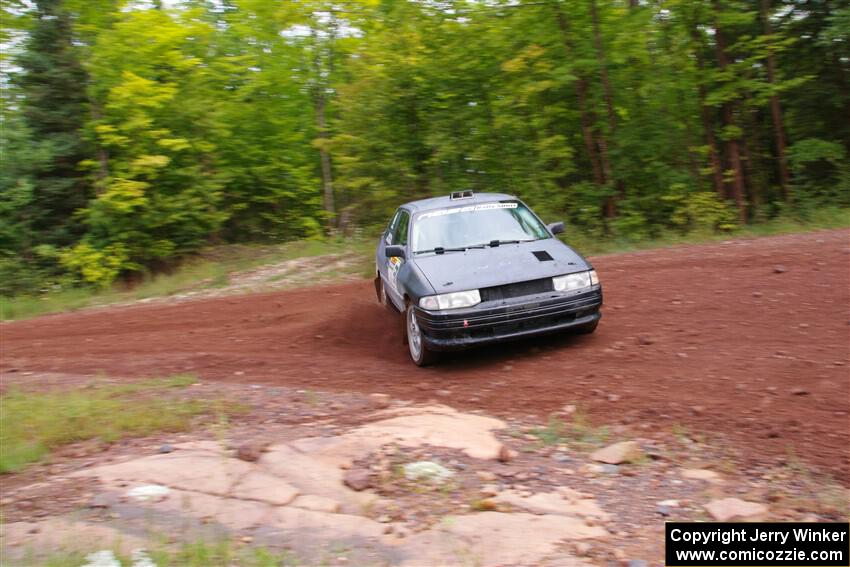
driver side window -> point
(400, 231)
(392, 227)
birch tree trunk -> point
(325, 158)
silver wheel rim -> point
(414, 336)
(383, 294)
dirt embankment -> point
(745, 340)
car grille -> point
(483, 321)
(518, 289)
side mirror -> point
(556, 227)
(395, 251)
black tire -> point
(587, 329)
(419, 352)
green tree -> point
(158, 193)
(52, 85)
(136, 133)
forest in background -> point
(136, 133)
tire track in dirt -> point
(732, 337)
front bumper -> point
(511, 319)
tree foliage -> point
(136, 133)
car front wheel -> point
(419, 353)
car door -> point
(385, 240)
(397, 235)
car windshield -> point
(483, 224)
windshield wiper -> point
(494, 243)
(442, 250)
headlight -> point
(575, 282)
(454, 300)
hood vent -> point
(542, 255)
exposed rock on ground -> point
(701, 474)
(735, 510)
(623, 452)
(410, 485)
(299, 489)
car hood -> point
(509, 263)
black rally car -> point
(470, 269)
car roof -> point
(446, 201)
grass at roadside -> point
(214, 267)
(34, 423)
(200, 553)
(210, 269)
(579, 432)
(825, 219)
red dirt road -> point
(739, 348)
